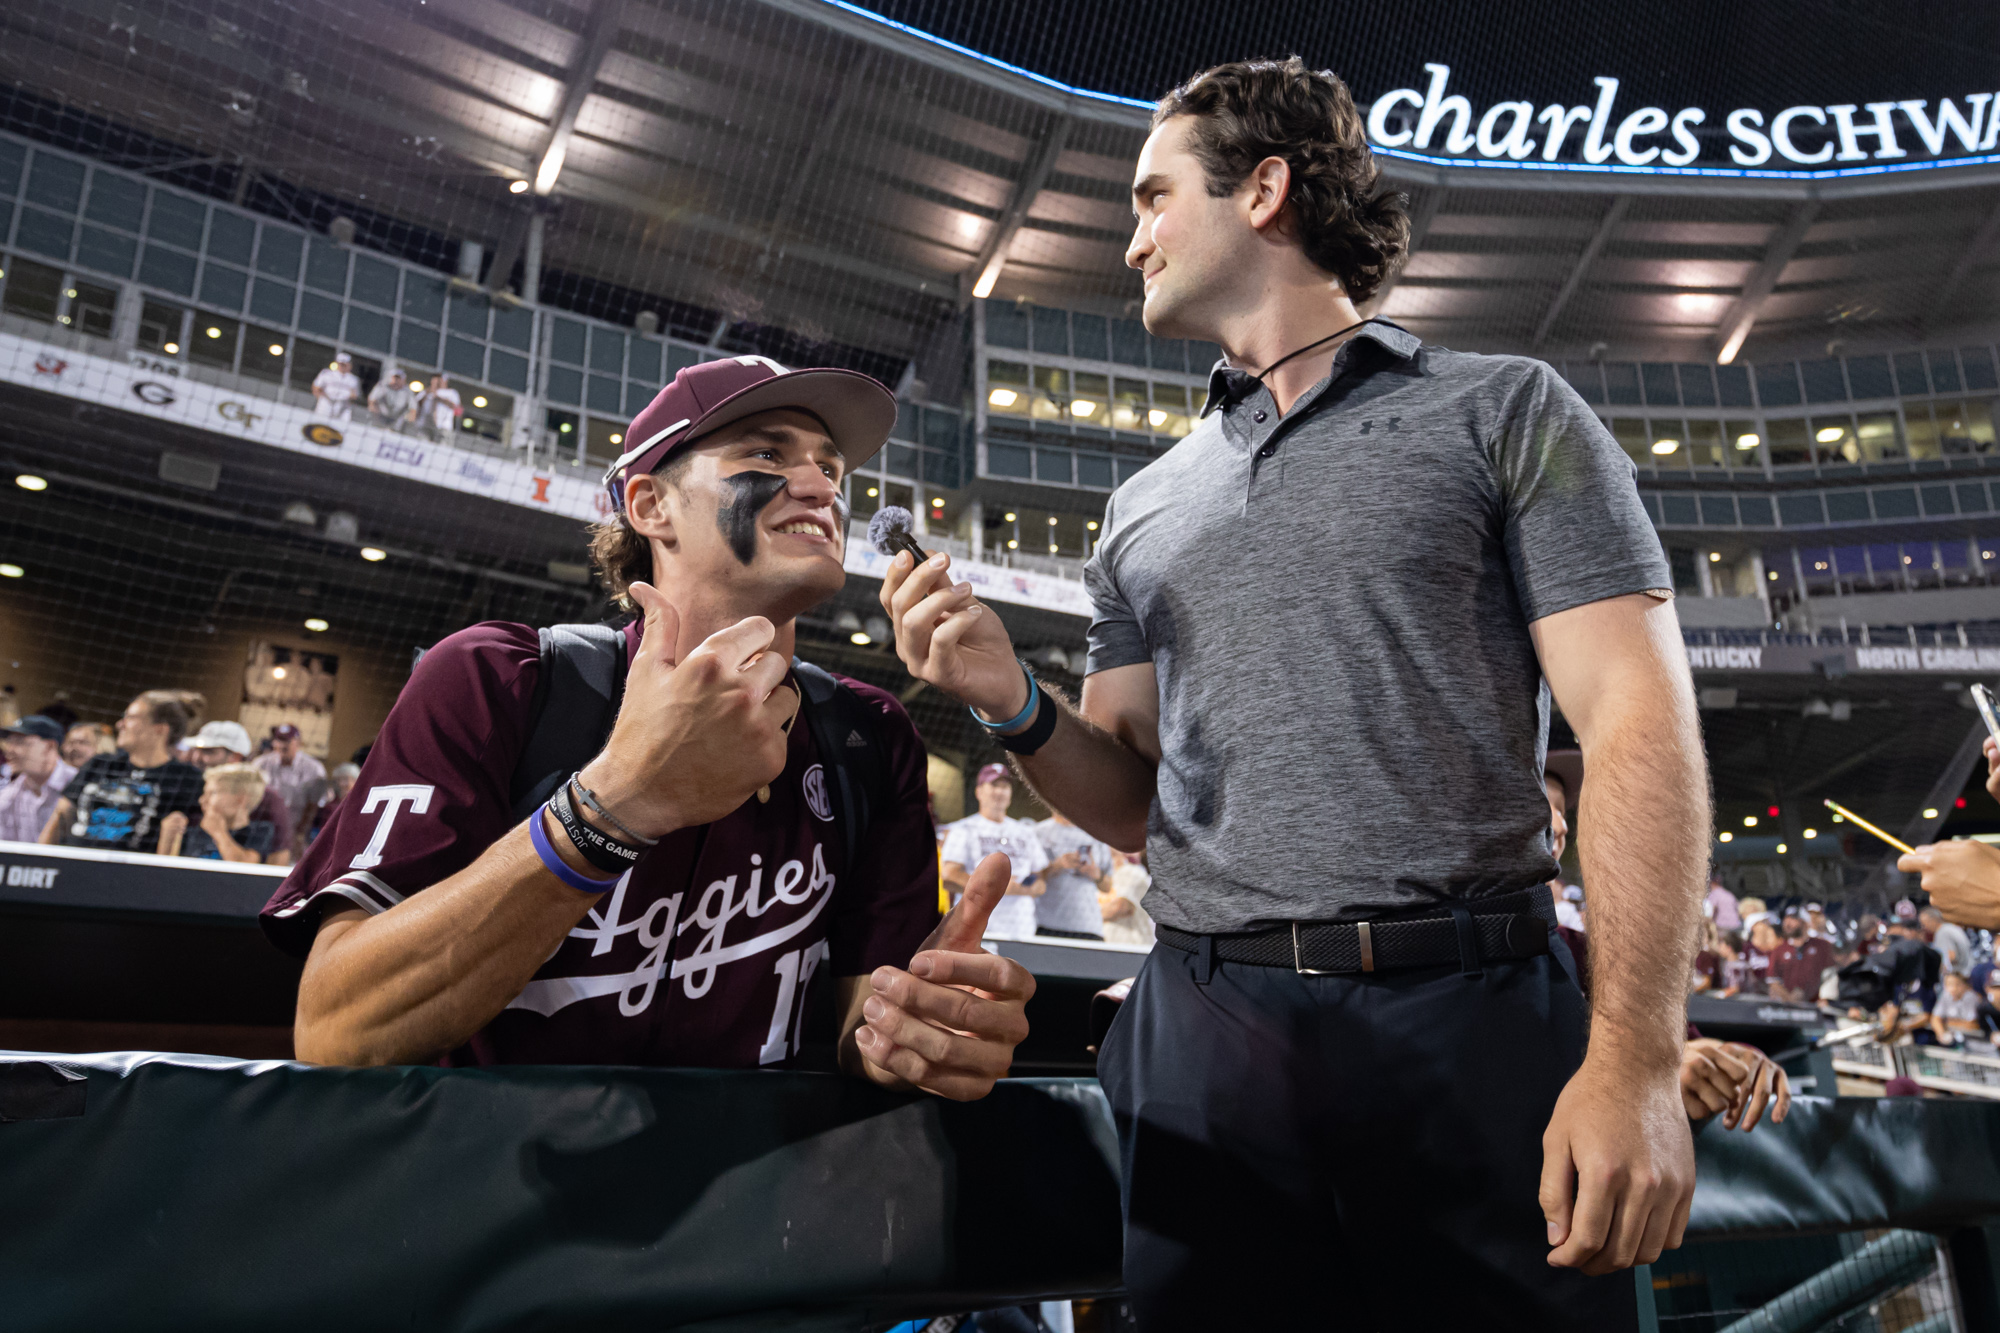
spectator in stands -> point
(1812, 956)
(220, 743)
(227, 832)
(1077, 865)
(39, 774)
(438, 411)
(1569, 907)
(1951, 942)
(1708, 959)
(1769, 958)
(1818, 926)
(1867, 934)
(341, 781)
(391, 403)
(85, 741)
(335, 389)
(297, 777)
(1721, 904)
(1122, 902)
(117, 801)
(978, 836)
(1956, 1013)
(1989, 1010)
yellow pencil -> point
(1851, 817)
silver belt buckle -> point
(1298, 958)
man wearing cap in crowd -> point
(1812, 955)
(391, 403)
(335, 389)
(34, 756)
(990, 831)
(298, 778)
(219, 743)
(692, 895)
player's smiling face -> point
(758, 509)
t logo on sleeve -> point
(392, 801)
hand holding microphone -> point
(944, 635)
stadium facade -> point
(1784, 313)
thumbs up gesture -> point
(694, 737)
(950, 1022)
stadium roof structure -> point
(810, 165)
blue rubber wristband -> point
(555, 865)
(1020, 719)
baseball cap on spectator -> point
(1566, 767)
(231, 736)
(1906, 910)
(34, 724)
(991, 773)
(342, 358)
(856, 409)
(1813, 907)
(284, 731)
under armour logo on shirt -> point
(1395, 423)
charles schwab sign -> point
(1432, 123)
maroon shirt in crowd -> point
(704, 954)
(1810, 958)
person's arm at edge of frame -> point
(52, 831)
(413, 982)
(1618, 1158)
(1099, 767)
(1962, 877)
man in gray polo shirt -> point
(1328, 626)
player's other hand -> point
(1734, 1081)
(948, 638)
(1962, 878)
(1617, 1167)
(949, 1023)
(694, 738)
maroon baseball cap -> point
(284, 731)
(856, 409)
(991, 773)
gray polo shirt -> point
(1336, 602)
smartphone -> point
(1989, 709)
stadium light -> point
(277, 349)
(1007, 518)
(1714, 557)
(1749, 821)
(1810, 834)
(373, 553)
(1012, 544)
(1725, 836)
(480, 401)
(1156, 418)
(616, 438)
(1664, 446)
(1781, 849)
(1052, 520)
(874, 491)
(1052, 548)
(172, 349)
(1003, 398)
(28, 481)
(1082, 407)
(517, 187)
(1829, 434)
(1090, 526)
(1930, 812)
(214, 332)
(938, 502)
(316, 625)
(11, 571)
(1749, 440)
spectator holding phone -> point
(1963, 877)
(1077, 863)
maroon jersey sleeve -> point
(892, 898)
(433, 794)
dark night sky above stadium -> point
(1718, 52)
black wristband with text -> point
(593, 844)
(1037, 733)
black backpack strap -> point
(577, 693)
(847, 733)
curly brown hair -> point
(1249, 110)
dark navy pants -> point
(1353, 1152)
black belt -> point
(1505, 926)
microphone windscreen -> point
(889, 520)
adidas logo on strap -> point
(855, 741)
